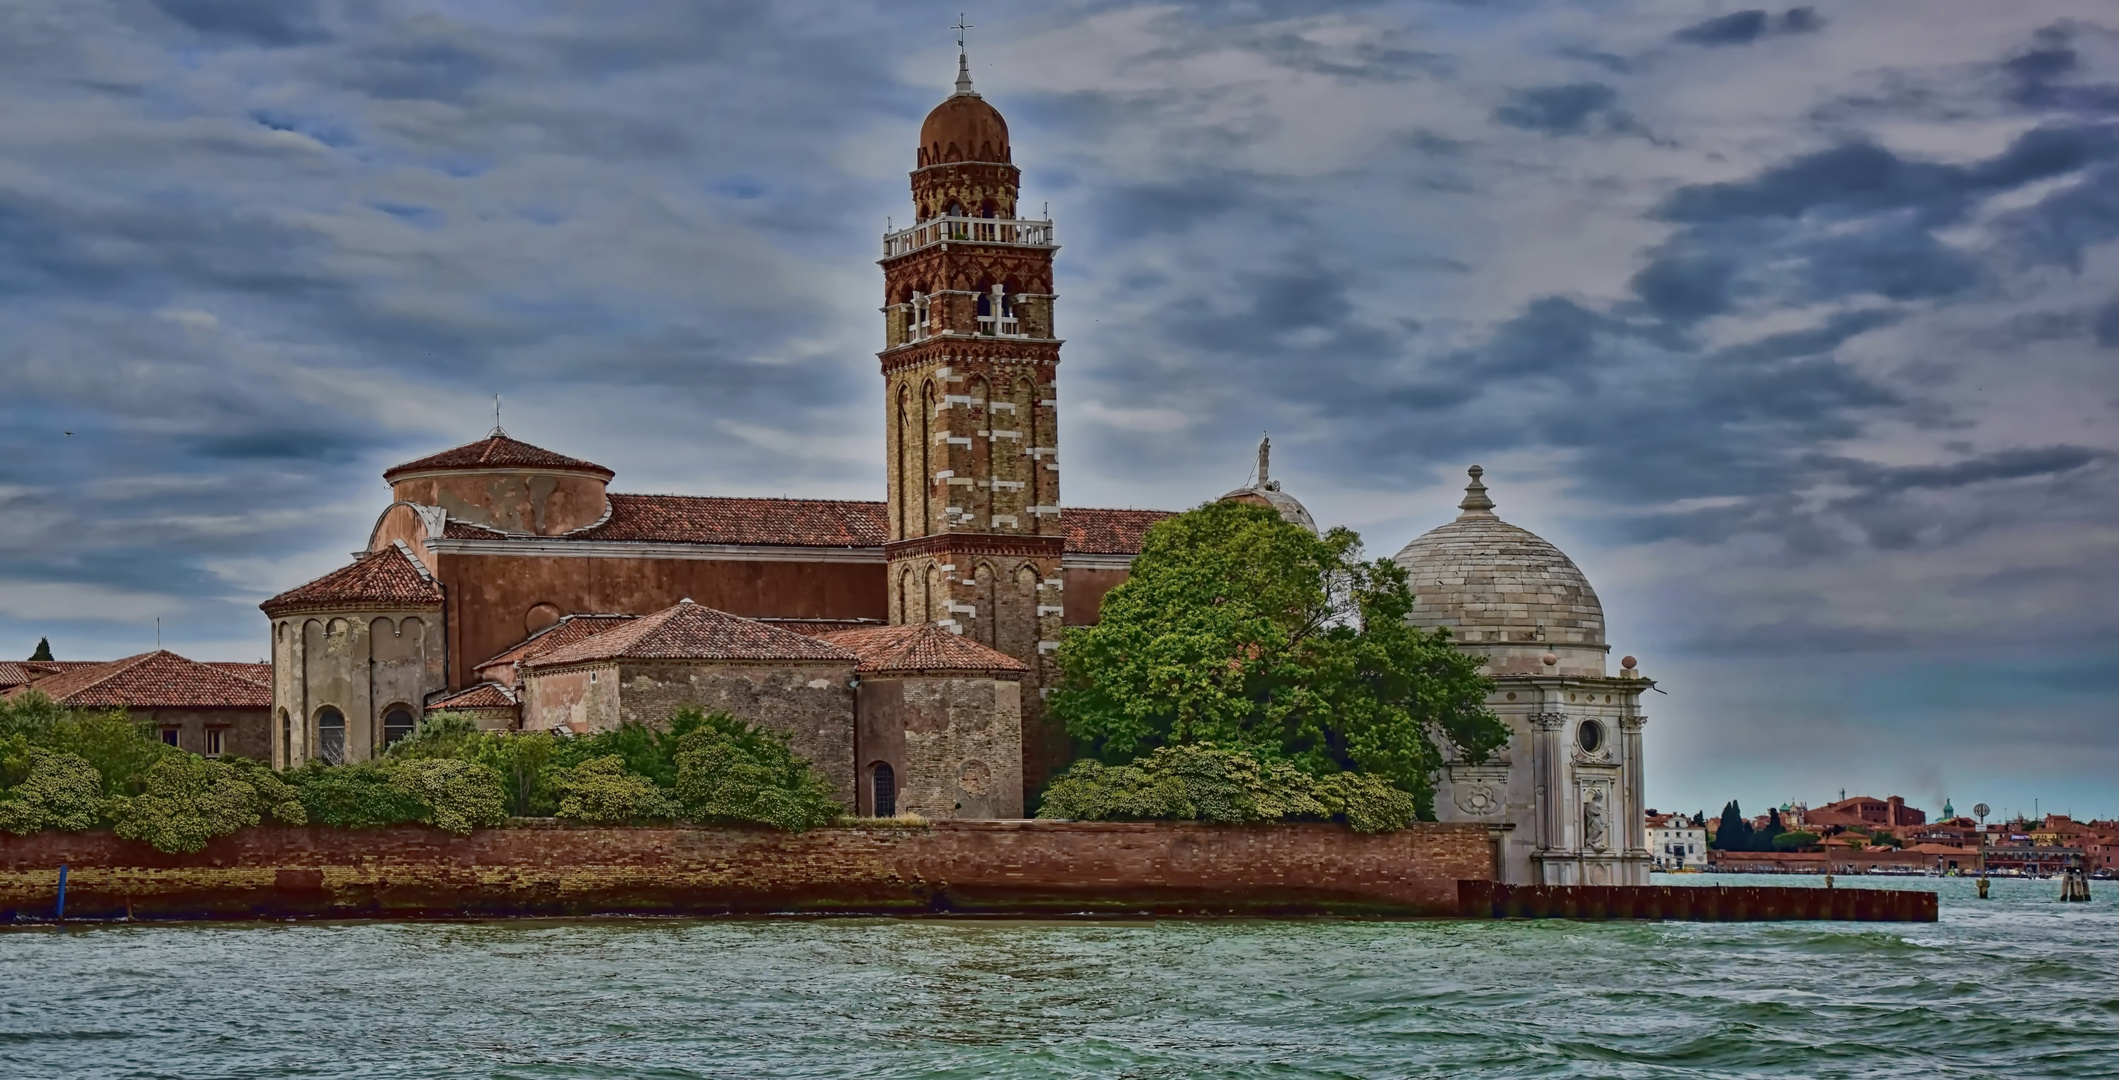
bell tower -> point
(969, 361)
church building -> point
(905, 646)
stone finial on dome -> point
(963, 75)
(1475, 504)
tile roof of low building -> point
(922, 648)
(689, 631)
(496, 451)
(715, 519)
(151, 680)
(567, 631)
(1092, 531)
(255, 672)
(485, 695)
(392, 577)
(818, 627)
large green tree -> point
(1239, 630)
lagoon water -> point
(2018, 986)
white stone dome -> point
(1504, 591)
(1266, 492)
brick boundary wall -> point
(549, 868)
(1692, 903)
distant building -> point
(209, 709)
(1861, 810)
(1675, 843)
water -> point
(2018, 986)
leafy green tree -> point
(649, 750)
(525, 762)
(185, 801)
(44, 650)
(1734, 833)
(601, 791)
(442, 735)
(1199, 783)
(1793, 840)
(1239, 630)
(458, 795)
(119, 748)
(57, 791)
(357, 796)
(729, 771)
(1762, 839)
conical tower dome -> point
(1505, 591)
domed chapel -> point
(905, 646)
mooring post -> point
(62, 892)
(1982, 886)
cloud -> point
(272, 23)
(1746, 27)
(1570, 109)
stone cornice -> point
(952, 347)
(1036, 547)
(635, 549)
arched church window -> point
(886, 790)
(922, 308)
(331, 735)
(1590, 735)
(397, 724)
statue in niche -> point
(1596, 834)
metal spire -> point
(963, 60)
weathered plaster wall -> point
(360, 662)
(245, 732)
(544, 504)
(1085, 593)
(581, 698)
(1022, 867)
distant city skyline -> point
(1794, 326)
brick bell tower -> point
(969, 360)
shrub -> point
(185, 801)
(1789, 841)
(276, 797)
(1199, 783)
(57, 791)
(730, 771)
(120, 749)
(455, 795)
(442, 735)
(600, 790)
(358, 796)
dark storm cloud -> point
(260, 22)
(1745, 27)
(1570, 109)
(2050, 75)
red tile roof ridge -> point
(387, 577)
(157, 679)
(496, 451)
(545, 640)
(484, 695)
(689, 631)
(920, 648)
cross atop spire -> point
(497, 432)
(963, 60)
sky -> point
(1796, 327)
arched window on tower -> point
(397, 724)
(885, 789)
(922, 308)
(997, 312)
(331, 736)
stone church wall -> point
(534, 868)
(812, 703)
(954, 745)
(361, 663)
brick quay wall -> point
(549, 869)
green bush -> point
(57, 791)
(120, 749)
(1200, 783)
(729, 772)
(456, 795)
(358, 796)
(1789, 841)
(601, 791)
(184, 802)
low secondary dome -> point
(1266, 492)
(1489, 581)
(963, 127)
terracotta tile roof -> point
(497, 451)
(712, 519)
(818, 627)
(689, 631)
(257, 673)
(565, 632)
(153, 680)
(1109, 532)
(392, 577)
(485, 695)
(927, 647)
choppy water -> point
(2018, 986)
